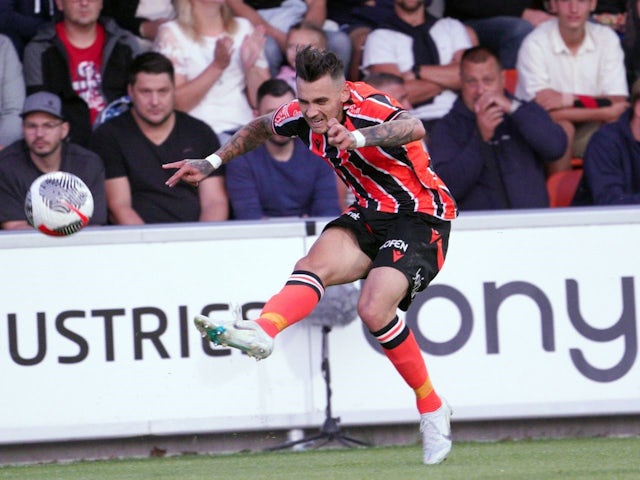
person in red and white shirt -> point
(395, 235)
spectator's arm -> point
(316, 12)
(12, 93)
(15, 225)
(241, 9)
(121, 212)
(545, 137)
(214, 203)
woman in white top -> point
(219, 63)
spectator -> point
(490, 148)
(300, 35)
(501, 25)
(575, 70)
(140, 17)
(219, 63)
(357, 18)
(282, 177)
(20, 19)
(83, 59)
(425, 51)
(136, 143)
(278, 16)
(612, 159)
(45, 150)
(631, 41)
(11, 93)
(392, 85)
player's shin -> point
(400, 346)
(295, 301)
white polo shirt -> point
(597, 69)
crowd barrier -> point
(534, 315)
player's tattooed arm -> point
(252, 135)
(403, 129)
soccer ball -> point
(58, 204)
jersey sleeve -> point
(288, 120)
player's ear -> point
(345, 94)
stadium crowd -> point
(518, 98)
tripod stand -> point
(330, 430)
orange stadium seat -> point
(562, 187)
(510, 80)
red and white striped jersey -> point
(387, 179)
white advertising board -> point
(532, 316)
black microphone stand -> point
(330, 430)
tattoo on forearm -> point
(247, 138)
(395, 132)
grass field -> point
(566, 459)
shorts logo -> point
(417, 283)
(354, 215)
(397, 255)
(399, 248)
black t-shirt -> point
(127, 152)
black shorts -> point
(413, 243)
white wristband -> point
(214, 160)
(359, 137)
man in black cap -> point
(44, 150)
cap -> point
(46, 102)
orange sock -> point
(296, 300)
(400, 346)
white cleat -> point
(245, 335)
(436, 434)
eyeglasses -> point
(46, 127)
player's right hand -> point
(191, 171)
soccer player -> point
(395, 234)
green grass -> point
(566, 459)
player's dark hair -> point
(276, 87)
(313, 64)
(479, 54)
(150, 62)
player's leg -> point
(333, 259)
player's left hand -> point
(191, 171)
(339, 136)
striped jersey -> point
(387, 179)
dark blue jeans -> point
(503, 35)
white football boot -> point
(245, 335)
(436, 434)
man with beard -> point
(280, 178)
(45, 150)
(134, 145)
(425, 51)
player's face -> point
(44, 133)
(268, 104)
(80, 12)
(322, 100)
(572, 14)
(300, 38)
(153, 97)
(478, 78)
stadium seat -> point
(510, 80)
(562, 187)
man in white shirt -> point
(575, 70)
(430, 81)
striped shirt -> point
(387, 179)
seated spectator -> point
(501, 25)
(425, 51)
(612, 159)
(282, 177)
(357, 18)
(84, 60)
(136, 143)
(278, 16)
(299, 36)
(575, 70)
(45, 150)
(219, 63)
(490, 149)
(140, 17)
(631, 41)
(20, 19)
(392, 85)
(11, 93)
